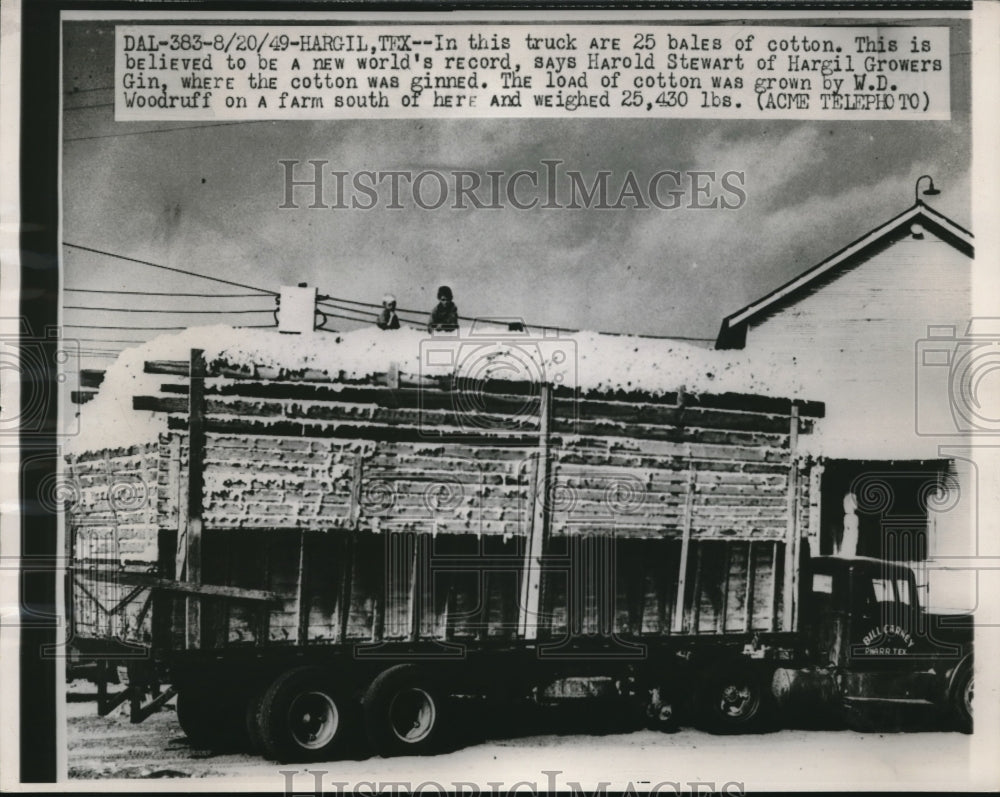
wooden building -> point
(881, 333)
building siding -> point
(859, 338)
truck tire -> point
(303, 716)
(734, 699)
(961, 700)
(662, 710)
(211, 720)
(250, 709)
(406, 712)
(196, 719)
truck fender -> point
(951, 676)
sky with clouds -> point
(207, 200)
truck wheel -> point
(734, 700)
(961, 700)
(250, 709)
(406, 712)
(303, 716)
(211, 720)
(196, 718)
(661, 710)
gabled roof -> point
(732, 334)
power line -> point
(405, 310)
(345, 317)
(361, 315)
(85, 107)
(167, 293)
(160, 310)
(334, 302)
(99, 326)
(336, 299)
(173, 329)
(84, 91)
(165, 130)
(325, 298)
(345, 309)
(169, 268)
(337, 302)
(424, 313)
(648, 337)
(367, 319)
(325, 301)
(326, 307)
(105, 340)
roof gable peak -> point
(732, 334)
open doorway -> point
(879, 508)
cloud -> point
(768, 158)
(207, 200)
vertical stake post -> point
(302, 599)
(196, 490)
(531, 577)
(679, 607)
(788, 615)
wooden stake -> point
(346, 576)
(196, 488)
(357, 476)
(678, 626)
(302, 604)
(775, 620)
(416, 587)
(531, 577)
(727, 566)
(180, 503)
(788, 616)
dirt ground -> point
(113, 748)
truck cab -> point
(867, 642)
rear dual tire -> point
(407, 712)
(211, 719)
(303, 716)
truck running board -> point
(912, 701)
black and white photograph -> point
(500, 400)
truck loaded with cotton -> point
(319, 539)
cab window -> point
(882, 588)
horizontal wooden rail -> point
(147, 580)
(314, 385)
(91, 378)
